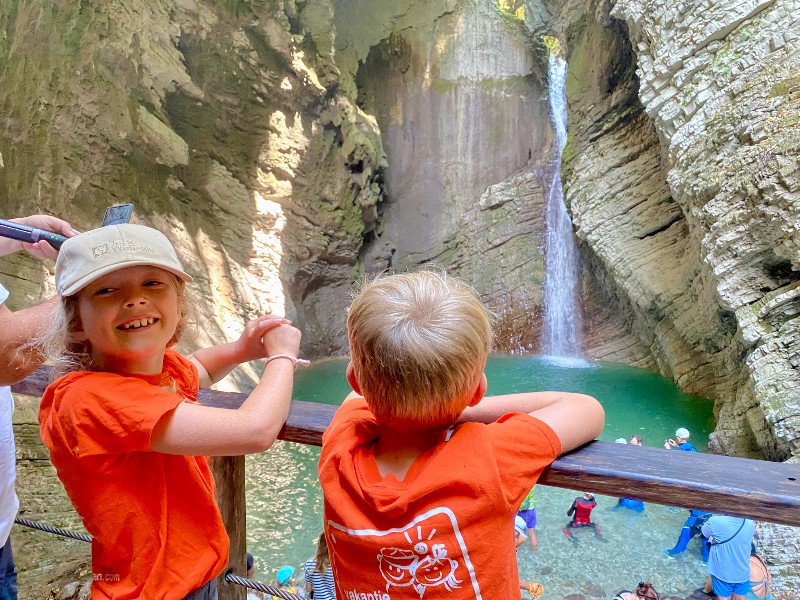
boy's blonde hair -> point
(59, 346)
(418, 343)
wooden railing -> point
(741, 487)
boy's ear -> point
(480, 391)
(350, 373)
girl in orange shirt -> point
(124, 430)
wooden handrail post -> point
(229, 477)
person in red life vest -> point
(581, 512)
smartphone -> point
(117, 215)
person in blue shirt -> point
(729, 559)
(692, 527)
(681, 441)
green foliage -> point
(516, 8)
(553, 44)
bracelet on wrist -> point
(295, 361)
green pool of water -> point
(284, 500)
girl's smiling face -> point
(128, 318)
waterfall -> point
(562, 317)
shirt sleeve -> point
(349, 412)
(109, 414)
(523, 446)
(706, 530)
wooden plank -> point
(742, 487)
(762, 490)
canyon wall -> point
(689, 121)
(681, 175)
(289, 147)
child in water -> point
(284, 580)
(581, 508)
(421, 475)
(125, 433)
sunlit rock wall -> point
(221, 122)
(224, 124)
(723, 91)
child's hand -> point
(250, 345)
(284, 339)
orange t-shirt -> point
(446, 530)
(157, 530)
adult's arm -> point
(17, 360)
(706, 530)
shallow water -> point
(284, 505)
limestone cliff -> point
(289, 146)
(222, 122)
(688, 119)
(681, 174)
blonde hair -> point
(418, 342)
(60, 347)
(322, 557)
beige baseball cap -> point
(90, 255)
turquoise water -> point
(284, 504)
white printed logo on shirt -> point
(419, 555)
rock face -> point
(683, 151)
(290, 146)
(689, 120)
(225, 126)
(462, 196)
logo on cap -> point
(120, 246)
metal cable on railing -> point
(50, 529)
(229, 576)
(261, 587)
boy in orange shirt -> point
(421, 475)
(125, 433)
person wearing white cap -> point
(681, 441)
(125, 433)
